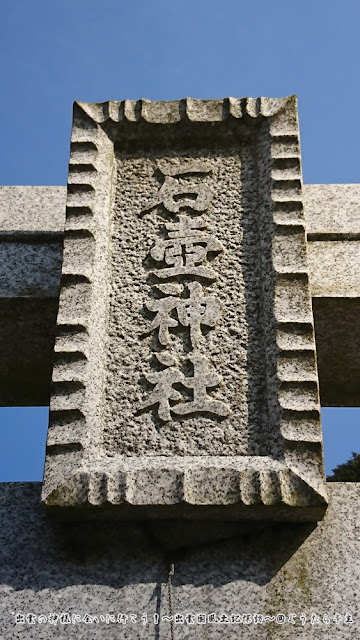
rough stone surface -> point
(26, 347)
(282, 571)
(31, 237)
(185, 354)
(237, 290)
(30, 269)
(334, 268)
(331, 213)
(333, 231)
(110, 569)
(328, 208)
(32, 223)
(338, 343)
(332, 210)
(337, 331)
(32, 209)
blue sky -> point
(53, 53)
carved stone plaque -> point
(185, 380)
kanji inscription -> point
(175, 196)
(184, 254)
(184, 380)
(186, 249)
(193, 312)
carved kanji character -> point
(186, 248)
(175, 195)
(198, 310)
(163, 307)
(193, 312)
(199, 382)
(163, 391)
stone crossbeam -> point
(32, 223)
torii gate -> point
(193, 210)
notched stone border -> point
(76, 474)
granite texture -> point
(328, 208)
(27, 345)
(107, 570)
(32, 223)
(334, 268)
(333, 232)
(31, 245)
(30, 268)
(237, 291)
(32, 210)
(337, 331)
(185, 270)
(332, 211)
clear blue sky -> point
(93, 50)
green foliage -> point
(348, 471)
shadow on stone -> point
(41, 555)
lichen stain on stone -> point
(292, 579)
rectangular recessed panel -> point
(187, 292)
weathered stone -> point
(32, 223)
(29, 348)
(333, 233)
(107, 569)
(30, 268)
(26, 347)
(29, 210)
(221, 328)
(192, 211)
(334, 269)
(332, 211)
(31, 237)
(338, 349)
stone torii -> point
(191, 437)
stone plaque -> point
(185, 380)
